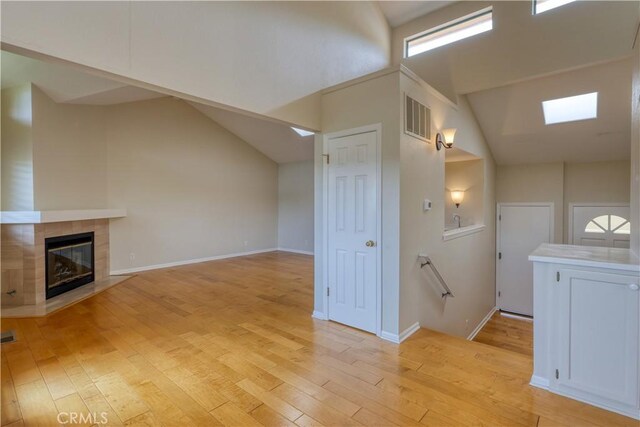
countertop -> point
(587, 256)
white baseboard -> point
(319, 315)
(483, 322)
(398, 338)
(188, 261)
(624, 409)
(539, 382)
(295, 251)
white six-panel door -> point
(352, 230)
(521, 229)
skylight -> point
(452, 31)
(302, 132)
(540, 6)
(570, 109)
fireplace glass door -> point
(69, 262)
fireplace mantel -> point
(43, 217)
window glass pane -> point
(592, 227)
(624, 229)
(616, 221)
(570, 109)
(602, 221)
(544, 5)
(450, 32)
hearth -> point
(69, 262)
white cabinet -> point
(596, 339)
(587, 325)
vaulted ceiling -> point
(505, 73)
(525, 59)
(66, 85)
(275, 140)
(521, 45)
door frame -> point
(377, 128)
(588, 205)
(551, 207)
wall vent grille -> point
(8, 336)
(417, 121)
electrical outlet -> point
(246, 243)
(132, 256)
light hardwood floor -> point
(508, 333)
(232, 342)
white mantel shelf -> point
(587, 256)
(42, 217)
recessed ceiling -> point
(401, 12)
(512, 119)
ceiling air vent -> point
(417, 121)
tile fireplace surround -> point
(23, 247)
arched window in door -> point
(608, 223)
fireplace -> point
(69, 262)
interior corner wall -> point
(635, 151)
(368, 102)
(191, 188)
(69, 155)
(595, 182)
(542, 182)
(295, 206)
(564, 184)
(467, 263)
(17, 149)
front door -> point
(352, 230)
(600, 226)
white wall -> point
(17, 149)
(468, 176)
(295, 206)
(69, 156)
(542, 182)
(466, 263)
(411, 171)
(264, 57)
(365, 102)
(563, 184)
(191, 188)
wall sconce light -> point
(445, 139)
(457, 197)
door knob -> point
(370, 243)
(633, 287)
